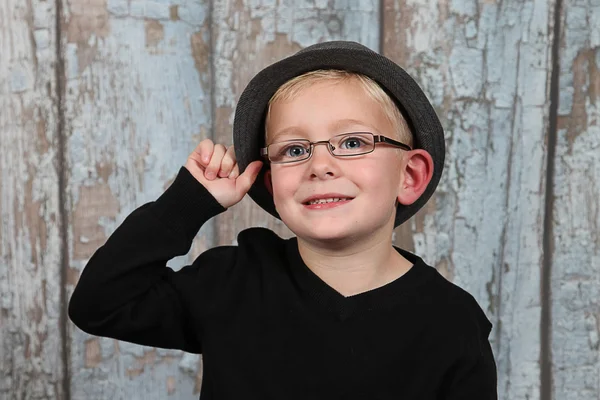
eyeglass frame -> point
(264, 151)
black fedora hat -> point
(249, 121)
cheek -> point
(284, 183)
(380, 175)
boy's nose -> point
(322, 162)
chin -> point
(335, 228)
(327, 232)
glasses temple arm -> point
(384, 139)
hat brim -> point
(248, 126)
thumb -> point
(245, 180)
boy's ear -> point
(417, 172)
(268, 182)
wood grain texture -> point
(485, 66)
(30, 338)
(140, 94)
(137, 103)
(575, 278)
(249, 35)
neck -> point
(356, 266)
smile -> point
(330, 200)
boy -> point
(351, 149)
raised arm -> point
(126, 290)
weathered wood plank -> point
(30, 336)
(575, 270)
(249, 35)
(138, 102)
(485, 67)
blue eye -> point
(294, 151)
(352, 143)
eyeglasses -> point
(344, 145)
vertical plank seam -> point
(381, 26)
(211, 66)
(214, 228)
(546, 382)
(62, 196)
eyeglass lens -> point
(347, 144)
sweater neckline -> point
(343, 307)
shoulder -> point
(454, 307)
(251, 240)
(250, 246)
(259, 243)
(229, 273)
(257, 235)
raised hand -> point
(215, 167)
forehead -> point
(326, 108)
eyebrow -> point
(335, 126)
(342, 123)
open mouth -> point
(327, 201)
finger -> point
(245, 180)
(194, 160)
(235, 172)
(215, 162)
(227, 163)
(203, 152)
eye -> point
(293, 151)
(352, 142)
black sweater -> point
(267, 326)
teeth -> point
(331, 200)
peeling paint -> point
(155, 33)
(93, 354)
(174, 13)
(30, 322)
(484, 65)
(129, 132)
(94, 202)
(148, 359)
(200, 54)
(171, 385)
(87, 19)
(487, 77)
(586, 89)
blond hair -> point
(294, 86)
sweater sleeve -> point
(474, 374)
(473, 377)
(127, 292)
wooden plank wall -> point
(101, 101)
(486, 68)
(31, 314)
(137, 99)
(575, 253)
